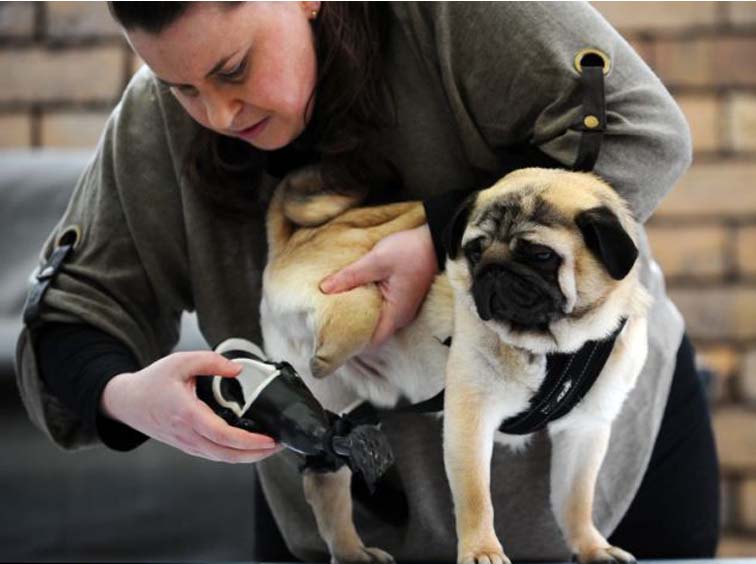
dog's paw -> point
(605, 555)
(362, 554)
(483, 555)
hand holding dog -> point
(404, 266)
(160, 401)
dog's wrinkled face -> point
(539, 247)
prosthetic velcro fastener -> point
(270, 398)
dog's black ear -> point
(454, 231)
(607, 240)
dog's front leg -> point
(330, 497)
(470, 420)
(577, 454)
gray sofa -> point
(151, 504)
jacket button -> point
(591, 122)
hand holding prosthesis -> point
(270, 398)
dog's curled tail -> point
(302, 200)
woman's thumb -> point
(360, 272)
(208, 363)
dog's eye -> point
(473, 251)
(543, 255)
(536, 253)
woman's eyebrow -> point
(218, 66)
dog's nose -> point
(509, 291)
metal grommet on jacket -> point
(591, 57)
(65, 244)
(591, 64)
(71, 235)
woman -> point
(412, 101)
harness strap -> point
(568, 379)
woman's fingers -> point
(364, 270)
(204, 363)
(207, 424)
(385, 327)
(198, 445)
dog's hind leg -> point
(347, 322)
(329, 495)
(576, 457)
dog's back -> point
(320, 334)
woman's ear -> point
(607, 240)
(311, 9)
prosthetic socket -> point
(271, 399)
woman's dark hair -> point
(351, 100)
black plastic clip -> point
(63, 249)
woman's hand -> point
(404, 266)
(161, 402)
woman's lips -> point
(252, 132)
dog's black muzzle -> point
(513, 292)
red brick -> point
(724, 188)
(703, 115)
(697, 252)
(724, 362)
(644, 48)
(737, 546)
(686, 62)
(741, 121)
(15, 131)
(632, 16)
(80, 19)
(720, 313)
(745, 250)
(16, 19)
(72, 129)
(748, 378)
(736, 439)
(82, 74)
(740, 13)
(735, 60)
(748, 504)
(707, 61)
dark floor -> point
(152, 504)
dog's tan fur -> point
(491, 370)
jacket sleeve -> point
(507, 69)
(127, 274)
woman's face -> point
(246, 71)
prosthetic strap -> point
(270, 398)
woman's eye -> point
(234, 73)
(187, 91)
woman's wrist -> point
(111, 396)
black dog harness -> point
(568, 376)
(568, 379)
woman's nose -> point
(221, 109)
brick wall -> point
(704, 233)
(64, 64)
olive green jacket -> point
(469, 80)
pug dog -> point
(543, 261)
